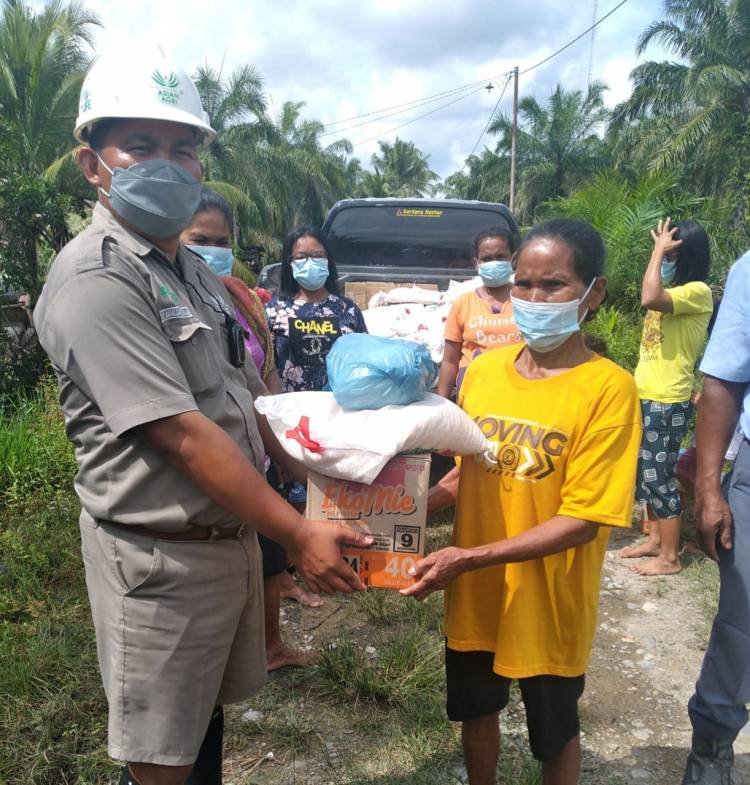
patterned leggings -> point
(664, 428)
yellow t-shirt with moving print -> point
(565, 445)
(671, 342)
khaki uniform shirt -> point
(134, 338)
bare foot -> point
(646, 548)
(280, 655)
(657, 566)
(291, 590)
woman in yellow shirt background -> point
(680, 306)
(482, 319)
(533, 515)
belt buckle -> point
(241, 530)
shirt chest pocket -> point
(196, 351)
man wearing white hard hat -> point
(158, 402)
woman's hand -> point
(664, 238)
(436, 571)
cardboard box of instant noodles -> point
(393, 509)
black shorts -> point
(551, 702)
(274, 556)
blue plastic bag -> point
(370, 372)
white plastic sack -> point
(356, 445)
(424, 324)
(406, 294)
(457, 288)
(416, 314)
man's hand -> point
(714, 518)
(316, 552)
(436, 571)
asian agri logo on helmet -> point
(167, 87)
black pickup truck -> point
(404, 241)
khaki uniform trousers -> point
(179, 630)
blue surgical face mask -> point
(668, 271)
(219, 259)
(497, 272)
(157, 197)
(311, 272)
(545, 326)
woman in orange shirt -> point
(482, 319)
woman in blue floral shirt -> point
(309, 314)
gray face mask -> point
(157, 197)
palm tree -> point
(559, 145)
(239, 163)
(274, 174)
(485, 177)
(230, 105)
(404, 169)
(43, 59)
(702, 102)
(321, 174)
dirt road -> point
(648, 651)
(635, 728)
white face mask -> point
(545, 326)
(496, 272)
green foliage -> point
(42, 63)
(693, 113)
(401, 169)
(559, 147)
(53, 711)
(624, 213)
(36, 458)
(621, 332)
(32, 216)
(274, 174)
(22, 362)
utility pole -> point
(593, 42)
(514, 142)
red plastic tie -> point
(301, 434)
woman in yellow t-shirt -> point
(533, 515)
(482, 319)
(680, 305)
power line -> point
(422, 100)
(577, 38)
(416, 105)
(420, 117)
(478, 85)
(492, 114)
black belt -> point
(191, 534)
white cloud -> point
(343, 58)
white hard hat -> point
(139, 85)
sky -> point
(344, 58)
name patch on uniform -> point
(178, 312)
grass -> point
(360, 717)
(36, 458)
(52, 710)
(703, 574)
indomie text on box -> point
(393, 509)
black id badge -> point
(236, 342)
